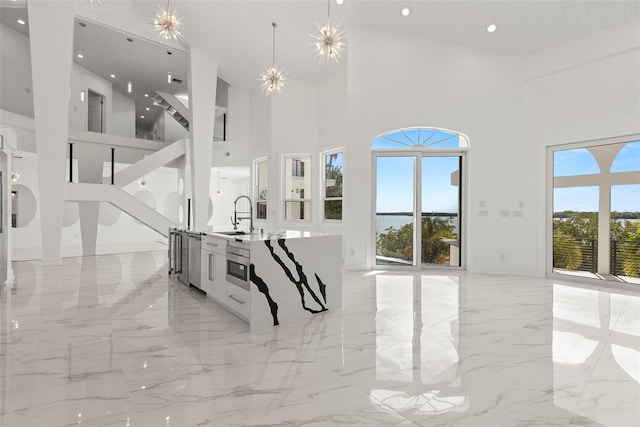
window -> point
(297, 188)
(595, 194)
(261, 173)
(332, 185)
(418, 194)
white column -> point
(203, 75)
(89, 171)
(51, 42)
(604, 223)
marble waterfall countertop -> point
(292, 275)
(256, 235)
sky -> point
(395, 186)
(395, 182)
(624, 198)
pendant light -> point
(328, 42)
(273, 80)
(167, 22)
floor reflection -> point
(115, 339)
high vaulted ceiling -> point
(238, 33)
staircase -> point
(121, 200)
(174, 107)
(148, 164)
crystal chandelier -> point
(167, 22)
(273, 79)
(328, 42)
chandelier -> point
(328, 42)
(273, 79)
(167, 22)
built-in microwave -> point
(238, 265)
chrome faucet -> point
(236, 219)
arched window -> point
(417, 215)
(420, 138)
(578, 161)
(628, 159)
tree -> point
(398, 243)
(333, 174)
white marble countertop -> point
(257, 235)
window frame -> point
(256, 187)
(550, 186)
(308, 172)
(323, 180)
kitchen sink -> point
(231, 233)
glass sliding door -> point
(418, 198)
(595, 216)
(440, 213)
(395, 210)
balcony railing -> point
(625, 258)
(575, 253)
(581, 254)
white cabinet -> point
(239, 301)
(213, 268)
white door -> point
(95, 114)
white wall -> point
(15, 73)
(28, 236)
(395, 81)
(223, 204)
(173, 131)
(511, 109)
(123, 120)
(586, 90)
(332, 111)
(332, 133)
(236, 151)
(81, 78)
(294, 130)
(24, 127)
(260, 137)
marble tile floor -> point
(114, 341)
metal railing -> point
(625, 258)
(581, 254)
(575, 253)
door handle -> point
(236, 299)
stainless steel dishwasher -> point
(195, 245)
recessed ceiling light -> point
(142, 117)
(113, 76)
(406, 11)
(339, 1)
(21, 21)
(492, 27)
(80, 55)
(146, 95)
(147, 108)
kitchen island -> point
(269, 279)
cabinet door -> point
(207, 270)
(220, 278)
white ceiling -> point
(238, 33)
